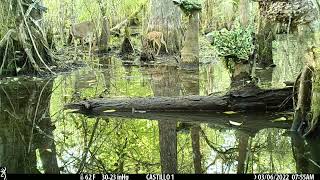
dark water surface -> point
(36, 134)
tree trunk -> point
(164, 77)
(244, 9)
(190, 50)
(243, 152)
(300, 121)
(314, 160)
(264, 37)
(105, 29)
(107, 66)
(126, 46)
(168, 146)
(47, 147)
(190, 86)
(189, 77)
(165, 17)
(62, 24)
(306, 154)
(240, 74)
(195, 137)
(299, 150)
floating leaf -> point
(235, 123)
(230, 112)
(72, 110)
(279, 119)
(140, 111)
(49, 150)
(110, 111)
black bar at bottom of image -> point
(162, 176)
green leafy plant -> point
(188, 6)
(237, 43)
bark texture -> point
(190, 50)
(165, 17)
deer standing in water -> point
(156, 38)
(83, 31)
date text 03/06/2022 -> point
(284, 177)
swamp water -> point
(37, 134)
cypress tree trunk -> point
(165, 17)
(190, 50)
(105, 31)
(244, 12)
(264, 42)
(241, 72)
(243, 152)
(161, 77)
(195, 138)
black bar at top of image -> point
(163, 176)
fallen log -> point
(246, 99)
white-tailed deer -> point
(83, 31)
(156, 38)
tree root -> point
(25, 47)
(4, 41)
(31, 38)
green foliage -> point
(6, 17)
(237, 43)
(188, 6)
(60, 14)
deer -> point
(83, 31)
(156, 38)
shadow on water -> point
(37, 135)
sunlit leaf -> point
(110, 110)
(279, 119)
(71, 110)
(49, 150)
(235, 123)
(230, 112)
